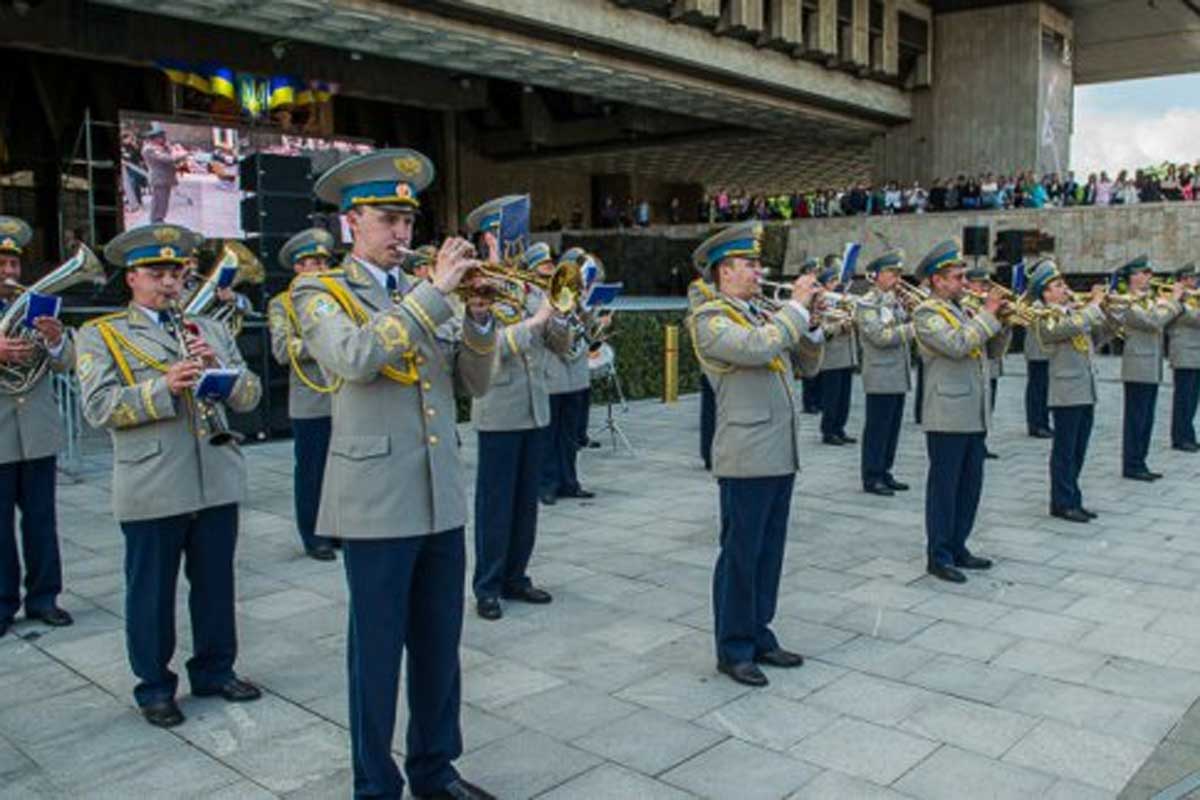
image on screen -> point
(186, 172)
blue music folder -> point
(601, 294)
(226, 275)
(41, 305)
(216, 384)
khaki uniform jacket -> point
(393, 468)
(886, 334)
(518, 399)
(304, 402)
(568, 371)
(1069, 340)
(160, 165)
(1185, 339)
(1033, 348)
(841, 348)
(30, 426)
(1144, 321)
(163, 463)
(746, 359)
(997, 347)
(953, 349)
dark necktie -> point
(392, 284)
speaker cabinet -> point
(975, 240)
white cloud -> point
(1113, 140)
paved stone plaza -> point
(1057, 675)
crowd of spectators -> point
(1166, 183)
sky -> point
(1130, 124)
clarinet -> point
(218, 432)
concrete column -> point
(448, 176)
(827, 28)
(860, 40)
(742, 16)
(891, 37)
(785, 27)
(697, 9)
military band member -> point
(175, 493)
(1185, 363)
(810, 380)
(1037, 387)
(979, 281)
(161, 164)
(511, 420)
(838, 364)
(701, 291)
(394, 489)
(886, 333)
(567, 377)
(957, 411)
(919, 394)
(1144, 319)
(30, 436)
(1068, 335)
(756, 453)
(309, 391)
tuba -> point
(204, 302)
(82, 267)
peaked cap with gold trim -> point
(737, 241)
(15, 233)
(156, 245)
(307, 243)
(387, 179)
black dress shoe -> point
(1154, 475)
(989, 454)
(1187, 447)
(234, 690)
(457, 789)
(1144, 476)
(164, 714)
(847, 439)
(54, 616)
(1091, 514)
(489, 608)
(831, 440)
(548, 498)
(879, 488)
(973, 562)
(528, 594)
(1070, 514)
(946, 572)
(579, 494)
(592, 444)
(744, 672)
(894, 485)
(1042, 433)
(779, 657)
(321, 553)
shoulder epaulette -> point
(716, 304)
(105, 318)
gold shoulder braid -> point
(776, 364)
(351, 306)
(285, 300)
(952, 320)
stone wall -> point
(1087, 240)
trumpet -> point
(186, 332)
(506, 283)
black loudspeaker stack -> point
(975, 240)
(277, 205)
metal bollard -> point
(670, 363)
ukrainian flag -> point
(221, 81)
(282, 92)
(175, 70)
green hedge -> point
(637, 337)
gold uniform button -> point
(420, 360)
(430, 411)
(433, 440)
(426, 385)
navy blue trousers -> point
(835, 400)
(310, 445)
(708, 420)
(881, 434)
(1183, 407)
(405, 597)
(1140, 401)
(561, 446)
(1072, 431)
(205, 542)
(919, 397)
(1037, 391)
(584, 416)
(506, 509)
(952, 492)
(810, 394)
(754, 525)
(28, 486)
